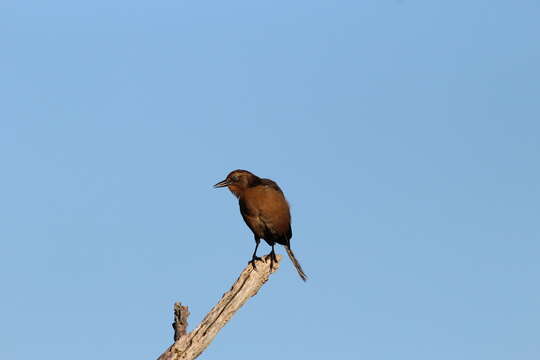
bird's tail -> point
(296, 263)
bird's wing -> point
(274, 212)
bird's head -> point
(237, 181)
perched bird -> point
(265, 211)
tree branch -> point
(180, 323)
(189, 346)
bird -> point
(265, 210)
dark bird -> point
(265, 210)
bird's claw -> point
(272, 259)
(253, 260)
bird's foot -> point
(273, 258)
(253, 260)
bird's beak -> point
(222, 183)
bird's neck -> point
(237, 191)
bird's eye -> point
(234, 178)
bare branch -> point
(180, 323)
(188, 347)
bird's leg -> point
(273, 253)
(272, 257)
(254, 257)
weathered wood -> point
(189, 346)
(180, 323)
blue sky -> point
(405, 135)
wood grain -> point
(189, 346)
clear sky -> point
(405, 134)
